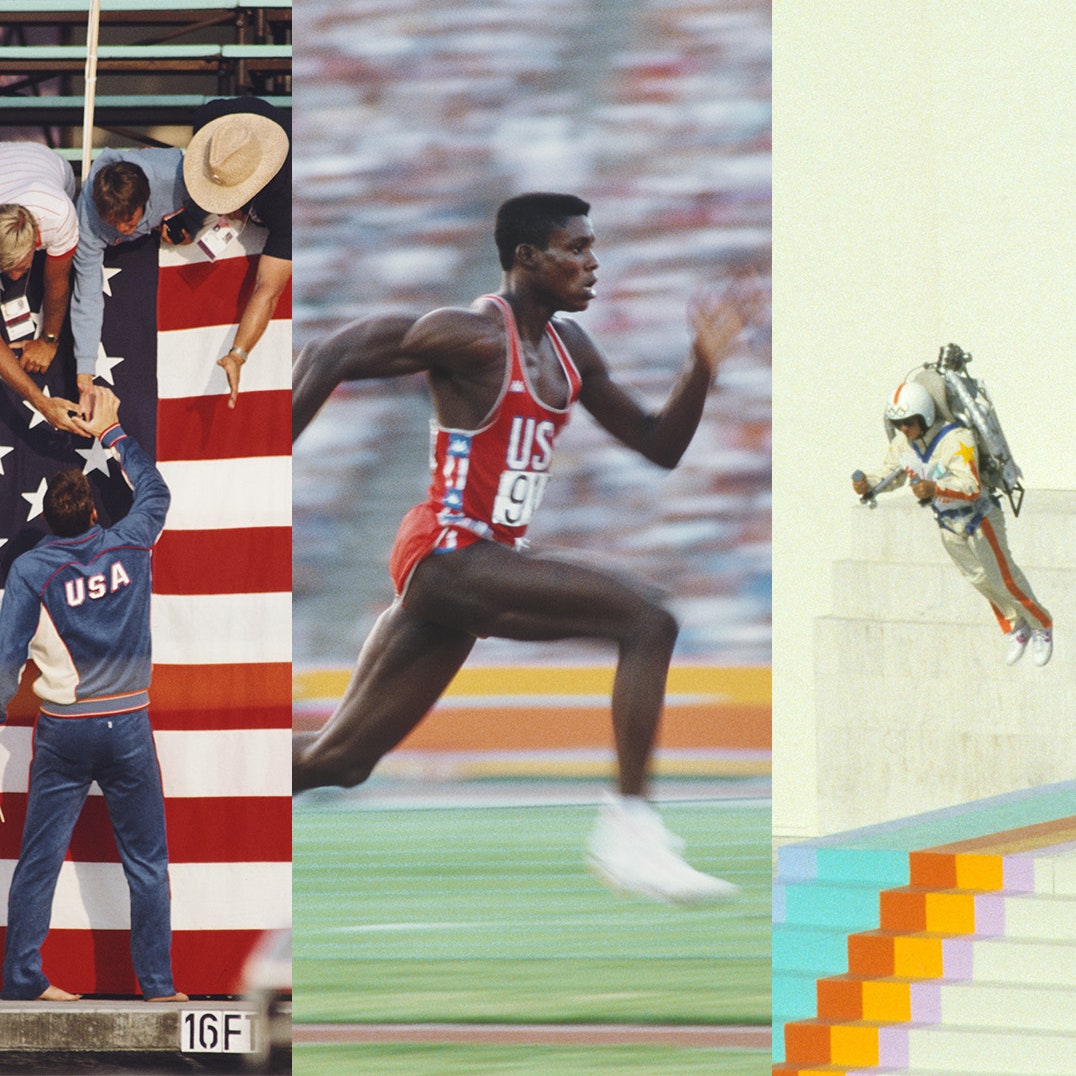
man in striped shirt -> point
(37, 189)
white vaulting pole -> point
(91, 85)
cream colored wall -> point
(924, 182)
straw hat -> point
(231, 158)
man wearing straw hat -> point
(238, 163)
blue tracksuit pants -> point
(116, 751)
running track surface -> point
(710, 1037)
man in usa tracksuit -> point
(78, 603)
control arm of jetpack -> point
(868, 498)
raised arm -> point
(662, 436)
(145, 520)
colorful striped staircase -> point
(944, 943)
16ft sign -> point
(216, 1031)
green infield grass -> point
(488, 915)
(426, 1060)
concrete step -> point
(119, 1026)
(1044, 534)
(986, 1004)
(936, 591)
(969, 1051)
(934, 716)
(1037, 916)
(884, 655)
(1033, 962)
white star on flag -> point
(38, 417)
(106, 364)
(4, 450)
(106, 280)
(96, 457)
(37, 500)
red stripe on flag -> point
(99, 961)
(236, 561)
(209, 829)
(203, 427)
(230, 696)
(242, 686)
(208, 719)
(210, 293)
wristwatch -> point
(240, 353)
(51, 338)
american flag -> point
(220, 700)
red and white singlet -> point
(488, 482)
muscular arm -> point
(661, 436)
(272, 278)
(368, 348)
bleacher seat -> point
(190, 51)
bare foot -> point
(171, 997)
(54, 993)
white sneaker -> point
(1042, 645)
(1018, 640)
(631, 851)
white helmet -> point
(910, 399)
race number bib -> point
(518, 496)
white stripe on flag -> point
(205, 896)
(199, 763)
(213, 494)
(220, 629)
(249, 241)
(225, 762)
(187, 361)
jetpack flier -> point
(966, 400)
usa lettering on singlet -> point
(490, 480)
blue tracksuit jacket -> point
(80, 607)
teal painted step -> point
(884, 867)
(809, 949)
(795, 996)
(881, 867)
(842, 907)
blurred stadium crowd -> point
(414, 121)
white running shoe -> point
(1042, 645)
(1018, 640)
(631, 851)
